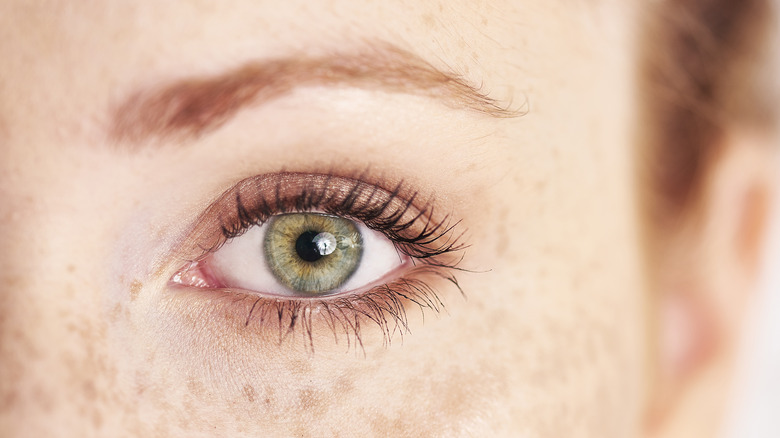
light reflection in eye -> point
(300, 255)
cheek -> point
(559, 303)
(401, 391)
(564, 339)
(55, 356)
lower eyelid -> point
(338, 320)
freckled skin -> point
(135, 289)
(91, 342)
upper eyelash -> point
(414, 230)
(418, 236)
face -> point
(123, 309)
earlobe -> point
(704, 280)
(688, 335)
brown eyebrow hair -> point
(194, 106)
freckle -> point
(249, 392)
(195, 387)
(269, 395)
(97, 419)
(12, 281)
(312, 401)
(113, 315)
(160, 271)
(8, 399)
(381, 425)
(301, 432)
(71, 268)
(135, 289)
(429, 21)
(344, 384)
(89, 390)
(301, 366)
(140, 387)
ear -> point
(705, 277)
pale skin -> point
(561, 332)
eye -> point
(322, 252)
(299, 255)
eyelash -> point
(434, 246)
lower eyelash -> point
(385, 305)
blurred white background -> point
(756, 406)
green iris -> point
(312, 253)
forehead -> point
(151, 36)
(82, 58)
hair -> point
(704, 67)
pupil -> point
(312, 246)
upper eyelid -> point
(381, 206)
(304, 192)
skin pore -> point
(554, 335)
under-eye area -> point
(318, 256)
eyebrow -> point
(191, 107)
